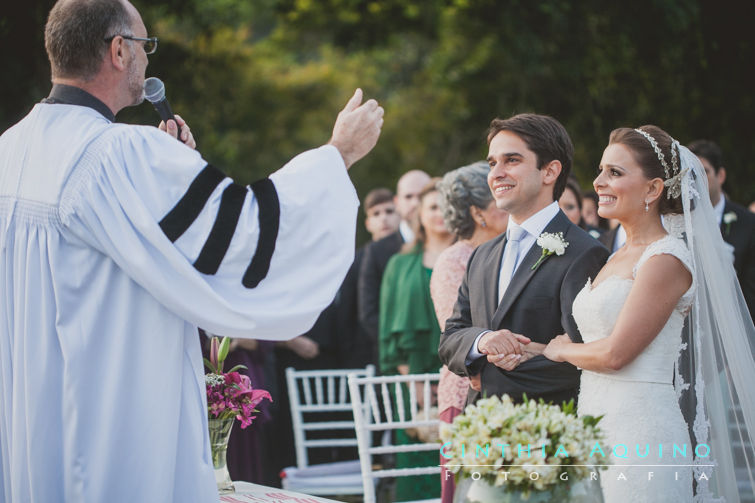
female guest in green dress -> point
(409, 331)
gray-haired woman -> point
(472, 216)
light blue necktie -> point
(514, 236)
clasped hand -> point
(553, 350)
(504, 348)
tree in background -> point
(259, 81)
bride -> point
(631, 317)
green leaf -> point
(568, 407)
(223, 352)
(210, 366)
(237, 367)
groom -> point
(507, 299)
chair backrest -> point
(314, 396)
(379, 404)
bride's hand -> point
(553, 350)
(505, 362)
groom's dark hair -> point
(546, 137)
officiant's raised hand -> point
(357, 128)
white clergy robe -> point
(117, 241)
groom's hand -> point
(501, 342)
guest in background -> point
(409, 330)
(570, 203)
(313, 350)
(335, 341)
(736, 223)
(590, 211)
(382, 218)
(615, 237)
(355, 348)
(590, 208)
(473, 218)
(377, 254)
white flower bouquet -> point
(528, 447)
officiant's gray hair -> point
(75, 35)
(461, 189)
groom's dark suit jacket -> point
(537, 304)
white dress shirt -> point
(718, 209)
(620, 239)
(407, 234)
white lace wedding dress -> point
(638, 402)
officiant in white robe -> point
(116, 242)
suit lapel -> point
(524, 271)
(727, 233)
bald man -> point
(377, 254)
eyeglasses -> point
(150, 44)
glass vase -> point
(482, 491)
(220, 432)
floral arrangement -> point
(550, 243)
(230, 394)
(505, 443)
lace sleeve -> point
(675, 246)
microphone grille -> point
(154, 89)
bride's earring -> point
(646, 207)
(483, 224)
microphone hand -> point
(172, 129)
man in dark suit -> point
(377, 254)
(355, 345)
(737, 224)
(508, 292)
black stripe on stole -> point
(188, 208)
(269, 220)
(222, 231)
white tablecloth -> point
(247, 492)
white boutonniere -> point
(550, 243)
(728, 219)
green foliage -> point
(261, 81)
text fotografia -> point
(564, 476)
(623, 451)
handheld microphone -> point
(154, 92)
